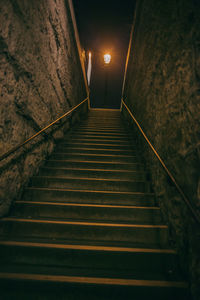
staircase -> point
(87, 226)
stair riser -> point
(111, 260)
(99, 136)
(32, 194)
(103, 122)
(103, 128)
(100, 125)
(100, 132)
(104, 115)
(102, 174)
(102, 118)
(96, 151)
(94, 165)
(132, 215)
(85, 184)
(145, 235)
(97, 141)
(94, 145)
(90, 157)
(31, 290)
(112, 139)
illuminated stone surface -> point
(40, 79)
(162, 90)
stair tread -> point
(86, 178)
(98, 144)
(84, 223)
(103, 132)
(96, 170)
(115, 142)
(96, 162)
(94, 155)
(100, 132)
(132, 207)
(93, 280)
(93, 173)
(87, 212)
(113, 271)
(85, 247)
(88, 196)
(94, 243)
(97, 149)
(98, 136)
(91, 191)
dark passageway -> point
(105, 26)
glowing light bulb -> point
(107, 58)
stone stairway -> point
(87, 226)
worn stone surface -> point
(40, 79)
(163, 92)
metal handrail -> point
(186, 200)
(6, 154)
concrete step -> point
(98, 112)
(160, 263)
(93, 173)
(100, 132)
(96, 145)
(90, 288)
(106, 117)
(81, 230)
(83, 272)
(103, 121)
(88, 196)
(81, 129)
(106, 121)
(90, 184)
(90, 212)
(87, 150)
(104, 128)
(79, 156)
(98, 136)
(103, 135)
(98, 141)
(104, 125)
(89, 164)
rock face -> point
(162, 90)
(40, 80)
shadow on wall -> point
(161, 90)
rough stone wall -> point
(163, 92)
(40, 79)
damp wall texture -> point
(40, 80)
(162, 90)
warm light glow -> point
(107, 58)
(89, 67)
